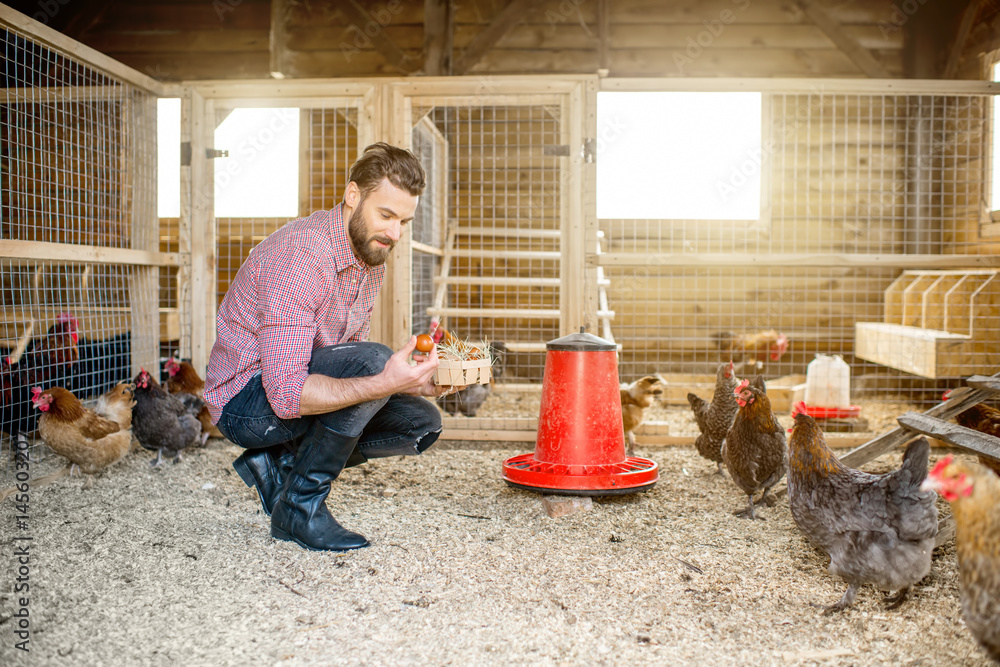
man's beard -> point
(368, 253)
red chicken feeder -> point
(580, 448)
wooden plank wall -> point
(194, 39)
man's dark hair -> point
(380, 161)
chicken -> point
(439, 334)
(161, 421)
(984, 419)
(90, 442)
(183, 379)
(636, 397)
(49, 361)
(876, 529)
(753, 348)
(116, 404)
(754, 449)
(715, 418)
(974, 495)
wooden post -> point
(201, 194)
(578, 303)
(139, 115)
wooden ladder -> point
(932, 423)
(445, 280)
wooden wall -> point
(224, 39)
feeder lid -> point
(580, 342)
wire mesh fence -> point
(77, 149)
(498, 230)
(858, 191)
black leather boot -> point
(265, 469)
(301, 515)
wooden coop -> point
(872, 239)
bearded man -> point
(291, 378)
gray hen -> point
(877, 529)
(715, 418)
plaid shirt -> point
(300, 289)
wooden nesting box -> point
(937, 324)
(784, 392)
(461, 373)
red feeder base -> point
(632, 475)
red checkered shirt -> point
(300, 289)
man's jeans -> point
(393, 426)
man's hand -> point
(422, 374)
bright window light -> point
(260, 178)
(168, 152)
(995, 190)
(687, 156)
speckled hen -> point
(876, 529)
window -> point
(679, 155)
(260, 177)
(168, 152)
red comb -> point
(799, 409)
(36, 392)
(941, 465)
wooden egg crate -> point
(937, 324)
(460, 373)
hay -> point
(175, 567)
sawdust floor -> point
(175, 566)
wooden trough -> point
(937, 324)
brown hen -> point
(974, 495)
(754, 450)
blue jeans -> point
(393, 426)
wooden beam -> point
(71, 253)
(901, 261)
(959, 400)
(844, 41)
(279, 38)
(961, 37)
(86, 17)
(953, 434)
(509, 16)
(361, 21)
(439, 33)
(603, 37)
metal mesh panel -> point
(866, 247)
(78, 169)
(504, 207)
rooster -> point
(715, 418)
(90, 441)
(754, 450)
(974, 494)
(876, 529)
(48, 361)
(183, 379)
(753, 348)
(161, 421)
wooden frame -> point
(989, 220)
